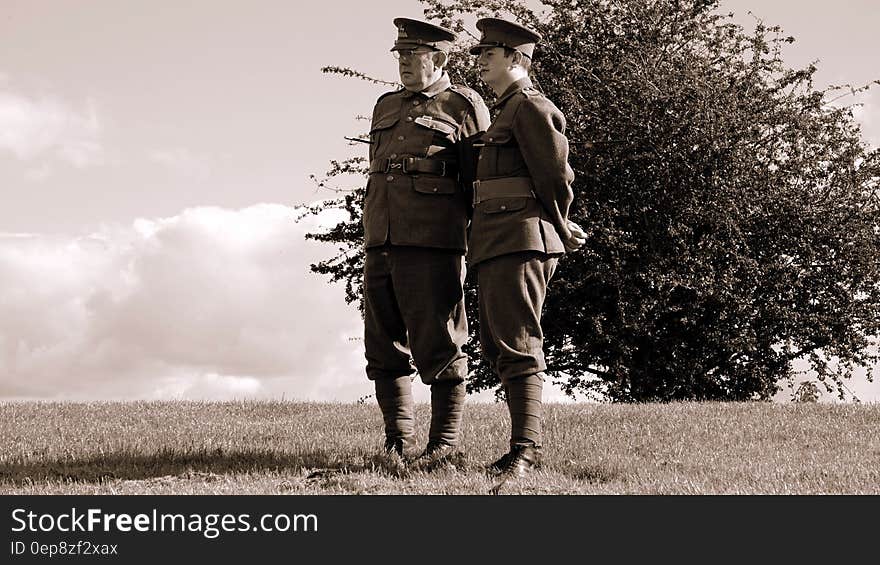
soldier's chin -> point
(411, 82)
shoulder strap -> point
(398, 91)
(532, 91)
(470, 95)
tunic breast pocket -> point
(380, 131)
(500, 155)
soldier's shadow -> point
(173, 464)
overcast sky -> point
(150, 153)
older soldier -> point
(520, 228)
(415, 218)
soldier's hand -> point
(577, 239)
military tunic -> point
(521, 202)
(415, 218)
(406, 207)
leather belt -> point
(509, 187)
(414, 166)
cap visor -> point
(403, 45)
(476, 49)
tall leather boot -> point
(396, 402)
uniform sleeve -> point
(539, 128)
(372, 145)
(475, 123)
(477, 120)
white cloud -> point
(33, 128)
(211, 303)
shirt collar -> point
(516, 86)
(433, 90)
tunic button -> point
(504, 207)
(400, 138)
(409, 118)
(480, 157)
(491, 139)
(435, 189)
(393, 155)
(389, 178)
(416, 102)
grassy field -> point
(306, 448)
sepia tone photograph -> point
(439, 247)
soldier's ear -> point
(517, 58)
(440, 59)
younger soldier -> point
(415, 218)
(520, 228)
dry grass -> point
(305, 448)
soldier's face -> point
(417, 68)
(494, 66)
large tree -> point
(731, 206)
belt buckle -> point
(391, 165)
(475, 199)
(442, 168)
(402, 165)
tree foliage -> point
(731, 206)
